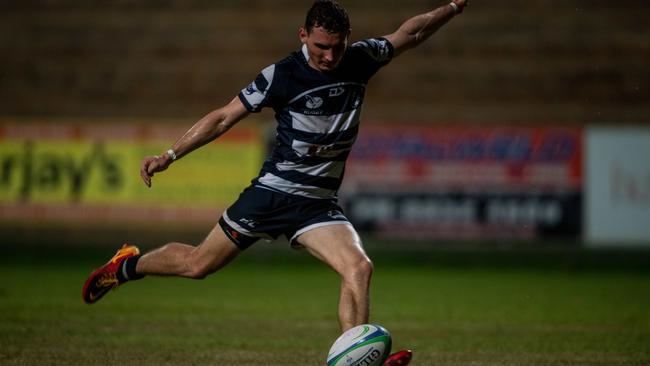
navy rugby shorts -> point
(261, 213)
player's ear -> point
(303, 34)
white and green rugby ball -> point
(363, 345)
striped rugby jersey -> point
(317, 114)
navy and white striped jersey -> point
(317, 114)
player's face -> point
(325, 49)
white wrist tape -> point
(454, 6)
(171, 154)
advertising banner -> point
(470, 181)
(67, 171)
(617, 203)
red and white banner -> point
(483, 182)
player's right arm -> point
(207, 129)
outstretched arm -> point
(417, 29)
(208, 128)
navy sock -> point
(126, 272)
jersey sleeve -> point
(378, 51)
(261, 92)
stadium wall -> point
(571, 61)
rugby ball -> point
(363, 345)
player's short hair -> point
(329, 15)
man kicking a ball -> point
(317, 94)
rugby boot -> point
(104, 278)
(401, 358)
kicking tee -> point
(317, 114)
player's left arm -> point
(417, 29)
(207, 129)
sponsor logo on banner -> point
(481, 182)
(33, 171)
(69, 172)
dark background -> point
(537, 61)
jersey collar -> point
(305, 53)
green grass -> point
(282, 311)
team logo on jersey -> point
(324, 151)
(250, 89)
(337, 215)
(383, 47)
(313, 102)
(335, 92)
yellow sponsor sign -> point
(90, 170)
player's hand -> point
(153, 164)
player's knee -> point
(198, 269)
(365, 268)
(359, 270)
(197, 272)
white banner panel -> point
(617, 204)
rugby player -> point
(316, 93)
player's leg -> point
(339, 246)
(173, 259)
(178, 259)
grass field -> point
(281, 311)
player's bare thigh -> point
(338, 245)
(215, 251)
